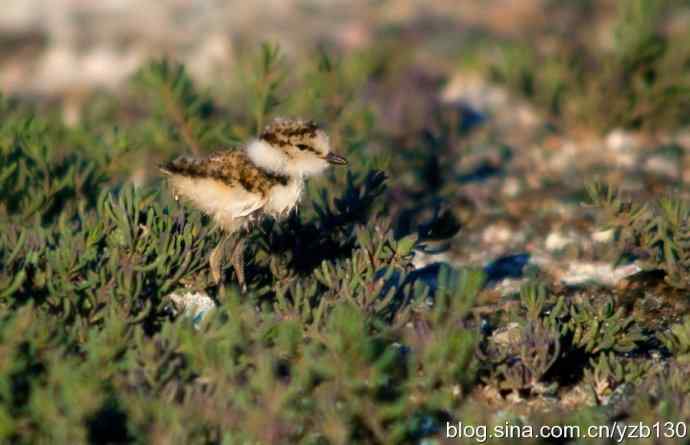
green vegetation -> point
(641, 81)
(656, 232)
(320, 348)
(339, 339)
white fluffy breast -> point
(264, 155)
(229, 206)
(298, 164)
(283, 198)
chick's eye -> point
(303, 146)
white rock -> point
(509, 286)
(474, 91)
(662, 165)
(621, 140)
(604, 273)
(497, 234)
(213, 56)
(603, 236)
(508, 335)
(557, 241)
(62, 67)
(511, 187)
(193, 304)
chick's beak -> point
(333, 158)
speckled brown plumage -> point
(284, 133)
(285, 129)
(231, 167)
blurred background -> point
(51, 46)
(490, 115)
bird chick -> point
(264, 179)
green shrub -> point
(654, 232)
(319, 348)
(338, 339)
(641, 82)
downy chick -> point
(265, 178)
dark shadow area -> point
(570, 366)
(468, 117)
(482, 172)
(429, 276)
(511, 266)
(304, 245)
(488, 168)
(433, 222)
(109, 425)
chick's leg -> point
(238, 261)
(217, 255)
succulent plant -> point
(655, 233)
(340, 337)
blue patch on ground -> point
(511, 266)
